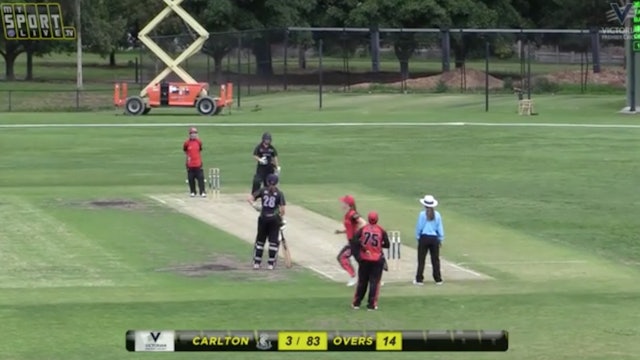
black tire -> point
(134, 106)
(146, 111)
(206, 106)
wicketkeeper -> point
(272, 210)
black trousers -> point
(260, 178)
(193, 175)
(268, 229)
(428, 245)
(369, 275)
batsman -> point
(266, 156)
(272, 211)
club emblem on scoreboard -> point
(263, 342)
(34, 21)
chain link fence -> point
(504, 62)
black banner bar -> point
(271, 340)
(226, 341)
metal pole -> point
(79, 80)
(529, 56)
(249, 72)
(582, 73)
(141, 53)
(286, 60)
(632, 70)
(320, 74)
(208, 69)
(486, 76)
(238, 85)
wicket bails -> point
(393, 254)
(214, 181)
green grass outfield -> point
(550, 212)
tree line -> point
(110, 25)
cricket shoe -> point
(193, 195)
(270, 267)
(439, 282)
(204, 195)
(372, 308)
(256, 266)
(355, 307)
(418, 283)
(352, 281)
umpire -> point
(366, 246)
(430, 235)
(269, 221)
(192, 148)
(267, 157)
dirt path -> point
(310, 236)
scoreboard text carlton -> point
(34, 21)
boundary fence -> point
(490, 61)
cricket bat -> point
(287, 253)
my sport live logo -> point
(34, 21)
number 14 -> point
(389, 340)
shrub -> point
(544, 85)
(441, 87)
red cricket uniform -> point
(193, 147)
(372, 239)
(351, 223)
(367, 247)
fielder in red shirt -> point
(352, 222)
(192, 148)
(366, 246)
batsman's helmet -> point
(372, 217)
(272, 179)
(266, 137)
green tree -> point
(103, 24)
(567, 14)
(217, 16)
(336, 13)
(403, 14)
(267, 19)
(10, 50)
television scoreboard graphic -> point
(635, 22)
(34, 21)
(268, 340)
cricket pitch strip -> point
(310, 237)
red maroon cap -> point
(349, 200)
(372, 217)
(193, 130)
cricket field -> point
(98, 234)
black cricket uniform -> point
(262, 171)
(269, 223)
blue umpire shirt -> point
(429, 227)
